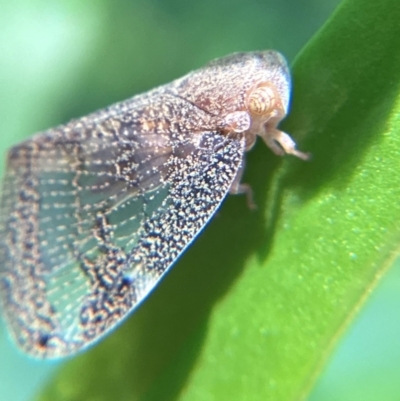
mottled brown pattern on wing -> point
(94, 212)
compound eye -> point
(261, 100)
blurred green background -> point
(62, 59)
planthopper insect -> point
(94, 213)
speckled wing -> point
(93, 213)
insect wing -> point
(91, 219)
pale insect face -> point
(95, 212)
(262, 101)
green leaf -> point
(254, 308)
